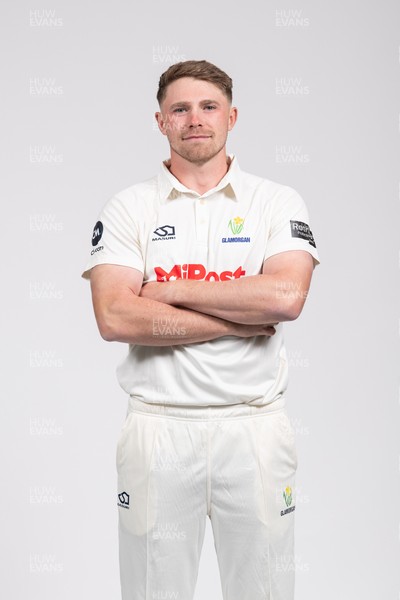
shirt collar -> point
(170, 187)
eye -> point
(179, 109)
(210, 107)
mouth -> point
(197, 137)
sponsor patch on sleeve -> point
(97, 233)
(302, 230)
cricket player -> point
(197, 269)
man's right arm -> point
(123, 316)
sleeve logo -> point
(301, 230)
(97, 233)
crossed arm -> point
(128, 311)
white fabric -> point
(177, 465)
(166, 231)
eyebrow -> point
(185, 103)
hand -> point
(245, 331)
(154, 290)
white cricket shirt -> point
(168, 231)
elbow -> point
(291, 309)
(107, 331)
(294, 309)
(116, 325)
(108, 327)
(112, 314)
(115, 329)
(290, 297)
(107, 334)
(293, 312)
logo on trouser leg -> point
(123, 498)
(288, 498)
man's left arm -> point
(275, 295)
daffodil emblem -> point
(236, 225)
(287, 495)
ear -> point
(233, 113)
(162, 124)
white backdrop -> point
(317, 88)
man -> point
(197, 269)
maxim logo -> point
(166, 232)
(196, 271)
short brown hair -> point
(199, 69)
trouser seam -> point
(265, 509)
(156, 434)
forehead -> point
(189, 89)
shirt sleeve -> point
(289, 226)
(115, 239)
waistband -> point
(220, 411)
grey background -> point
(78, 102)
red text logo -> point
(196, 271)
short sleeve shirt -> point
(168, 231)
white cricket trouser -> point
(177, 465)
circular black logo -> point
(97, 233)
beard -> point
(198, 153)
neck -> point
(199, 177)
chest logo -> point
(196, 271)
(236, 226)
(165, 232)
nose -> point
(194, 118)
